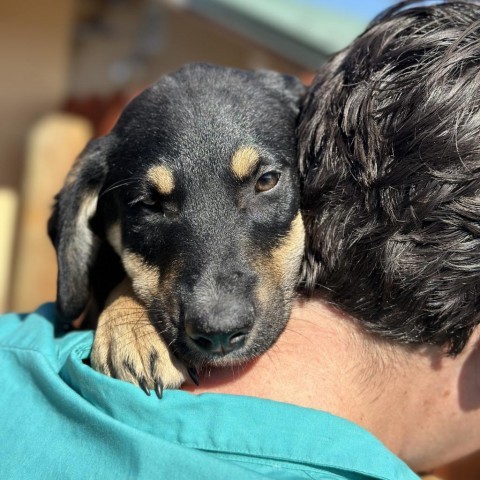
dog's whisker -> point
(306, 337)
(119, 184)
(269, 356)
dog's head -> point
(196, 190)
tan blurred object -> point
(8, 211)
(52, 146)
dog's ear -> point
(69, 227)
(288, 85)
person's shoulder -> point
(24, 330)
(232, 436)
(35, 333)
(278, 439)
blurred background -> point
(69, 66)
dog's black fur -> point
(174, 196)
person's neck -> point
(323, 361)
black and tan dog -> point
(195, 196)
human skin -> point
(423, 405)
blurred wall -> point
(59, 51)
(35, 55)
(34, 51)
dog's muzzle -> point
(221, 329)
(220, 314)
(218, 343)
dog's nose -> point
(217, 342)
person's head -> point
(390, 163)
(389, 141)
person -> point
(379, 366)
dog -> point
(193, 200)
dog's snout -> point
(221, 329)
(219, 313)
(236, 278)
(217, 342)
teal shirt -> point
(61, 419)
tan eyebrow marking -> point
(244, 161)
(162, 178)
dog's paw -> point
(128, 347)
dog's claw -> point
(142, 359)
(143, 386)
(159, 388)
(193, 375)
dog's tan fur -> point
(287, 256)
(244, 161)
(162, 178)
(125, 336)
(145, 277)
(114, 237)
(281, 266)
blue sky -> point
(365, 9)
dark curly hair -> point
(389, 140)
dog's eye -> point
(267, 181)
(149, 202)
(155, 205)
